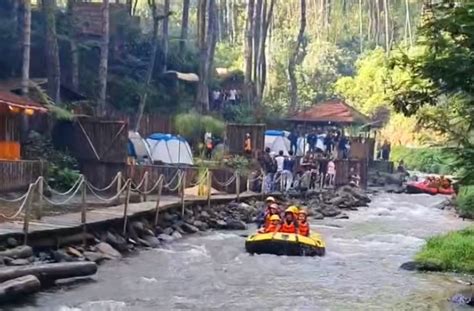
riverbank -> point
(110, 240)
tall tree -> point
(261, 55)
(387, 29)
(74, 48)
(52, 50)
(184, 26)
(296, 58)
(25, 72)
(165, 35)
(207, 37)
(361, 28)
(151, 66)
(248, 50)
(104, 58)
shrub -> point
(427, 160)
(451, 252)
(465, 201)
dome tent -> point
(277, 141)
(169, 149)
(137, 147)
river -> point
(213, 272)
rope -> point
(23, 204)
(67, 192)
(67, 200)
(202, 179)
(152, 188)
(107, 187)
(136, 188)
(228, 182)
(180, 179)
(178, 174)
(108, 200)
(14, 200)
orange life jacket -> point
(248, 144)
(271, 228)
(303, 228)
(288, 228)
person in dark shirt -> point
(293, 138)
(342, 147)
(329, 143)
(312, 139)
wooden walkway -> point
(95, 216)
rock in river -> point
(165, 238)
(108, 251)
(189, 228)
(233, 224)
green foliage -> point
(62, 167)
(192, 126)
(452, 251)
(229, 56)
(465, 202)
(239, 114)
(427, 160)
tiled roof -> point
(334, 111)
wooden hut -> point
(235, 134)
(14, 172)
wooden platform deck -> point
(96, 216)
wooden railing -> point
(17, 175)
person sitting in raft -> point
(289, 224)
(444, 183)
(273, 226)
(303, 224)
(262, 216)
(273, 209)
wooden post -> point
(237, 185)
(209, 188)
(125, 207)
(26, 219)
(84, 211)
(119, 184)
(248, 182)
(39, 210)
(183, 187)
(145, 186)
(157, 208)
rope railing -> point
(180, 175)
(226, 183)
(26, 196)
(202, 179)
(79, 180)
(76, 188)
(111, 199)
(113, 182)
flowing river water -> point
(212, 271)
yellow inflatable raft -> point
(285, 244)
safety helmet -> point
(275, 217)
(270, 199)
(274, 205)
(302, 211)
(293, 208)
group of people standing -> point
(222, 97)
(291, 220)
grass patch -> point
(427, 160)
(453, 251)
(465, 202)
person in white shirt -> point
(233, 96)
(280, 160)
(331, 173)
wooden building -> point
(14, 172)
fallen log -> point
(48, 273)
(19, 287)
(17, 252)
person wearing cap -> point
(289, 224)
(273, 209)
(262, 217)
(248, 145)
(303, 224)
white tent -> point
(169, 149)
(137, 147)
(276, 141)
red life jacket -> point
(288, 228)
(303, 228)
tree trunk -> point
(74, 51)
(52, 51)
(151, 66)
(231, 18)
(295, 59)
(202, 97)
(184, 26)
(18, 288)
(25, 72)
(409, 35)
(361, 29)
(104, 58)
(248, 49)
(262, 60)
(257, 27)
(165, 36)
(48, 273)
(387, 29)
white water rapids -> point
(212, 271)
